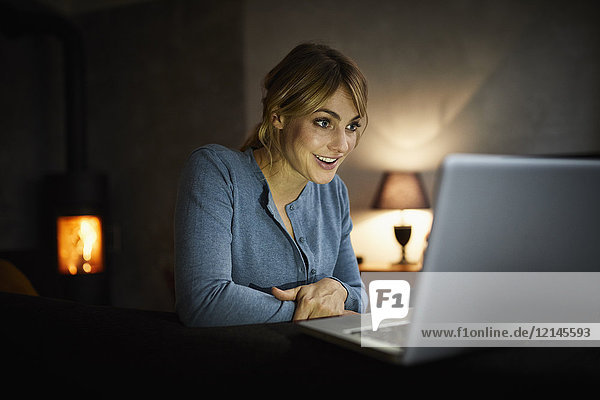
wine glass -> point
(403, 233)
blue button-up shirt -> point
(231, 245)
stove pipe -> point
(18, 19)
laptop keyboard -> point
(390, 335)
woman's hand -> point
(320, 299)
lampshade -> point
(401, 190)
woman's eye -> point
(323, 123)
(353, 126)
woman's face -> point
(315, 145)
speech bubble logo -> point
(389, 299)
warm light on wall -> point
(79, 240)
(373, 235)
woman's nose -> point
(339, 141)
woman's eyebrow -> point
(334, 114)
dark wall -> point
(31, 131)
(163, 78)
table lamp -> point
(401, 191)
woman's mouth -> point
(326, 162)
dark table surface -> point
(52, 339)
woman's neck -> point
(284, 183)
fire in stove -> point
(79, 240)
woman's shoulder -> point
(215, 150)
(219, 154)
(336, 188)
(338, 184)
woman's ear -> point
(277, 120)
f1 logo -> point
(389, 299)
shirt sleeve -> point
(346, 269)
(205, 292)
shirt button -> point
(313, 271)
(301, 239)
(292, 207)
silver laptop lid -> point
(513, 213)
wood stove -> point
(76, 214)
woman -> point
(263, 234)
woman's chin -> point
(324, 178)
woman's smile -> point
(326, 162)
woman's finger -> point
(285, 295)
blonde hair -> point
(300, 84)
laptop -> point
(492, 214)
